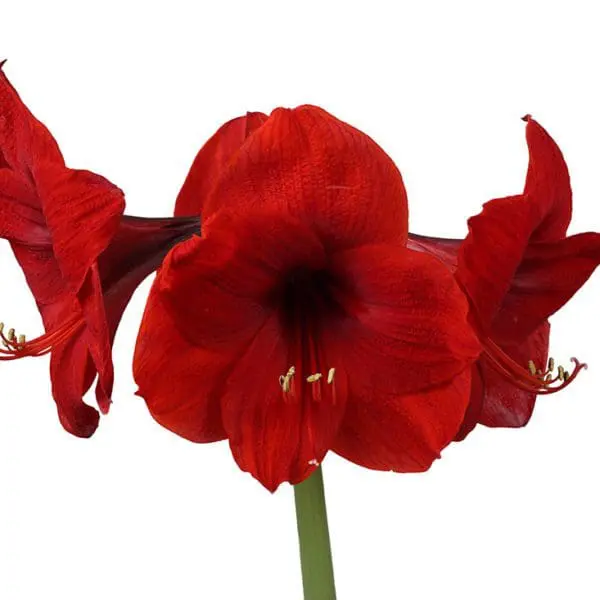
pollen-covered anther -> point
(330, 375)
(314, 377)
(285, 381)
(11, 341)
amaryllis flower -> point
(299, 322)
(81, 257)
(518, 267)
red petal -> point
(406, 322)
(20, 220)
(499, 235)
(44, 279)
(491, 253)
(70, 199)
(69, 366)
(213, 161)
(549, 274)
(505, 405)
(547, 185)
(405, 433)
(24, 142)
(275, 436)
(324, 172)
(231, 272)
(67, 198)
(179, 382)
(71, 369)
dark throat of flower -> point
(15, 346)
(530, 378)
(306, 305)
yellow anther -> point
(1, 327)
(285, 381)
(314, 377)
(550, 364)
(561, 373)
(567, 375)
(21, 340)
(532, 368)
(10, 336)
(330, 375)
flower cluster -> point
(292, 312)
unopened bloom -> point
(517, 267)
(299, 322)
(81, 257)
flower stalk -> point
(313, 534)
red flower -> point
(517, 267)
(299, 322)
(82, 259)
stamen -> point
(314, 377)
(530, 379)
(18, 346)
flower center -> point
(306, 304)
(531, 378)
(16, 346)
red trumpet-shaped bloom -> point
(81, 257)
(517, 267)
(299, 322)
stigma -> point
(14, 346)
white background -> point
(131, 91)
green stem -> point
(313, 532)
